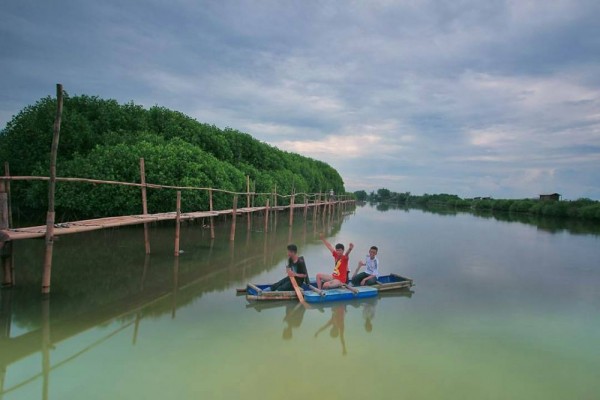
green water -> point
(501, 309)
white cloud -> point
(465, 97)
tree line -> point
(103, 139)
(582, 208)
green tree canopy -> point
(103, 139)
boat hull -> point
(340, 294)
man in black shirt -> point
(296, 268)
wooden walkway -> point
(66, 228)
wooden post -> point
(5, 247)
(275, 198)
(318, 205)
(51, 188)
(4, 222)
(210, 207)
(305, 206)
(233, 217)
(248, 200)
(9, 200)
(292, 201)
(144, 205)
(178, 223)
(267, 217)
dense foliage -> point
(582, 208)
(103, 139)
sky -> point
(475, 98)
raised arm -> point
(329, 246)
(350, 247)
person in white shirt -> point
(371, 272)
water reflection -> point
(294, 314)
(105, 277)
(546, 224)
(336, 325)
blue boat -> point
(346, 293)
(384, 283)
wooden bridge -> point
(319, 203)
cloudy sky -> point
(477, 98)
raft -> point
(384, 283)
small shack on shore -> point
(550, 197)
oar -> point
(298, 291)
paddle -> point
(298, 291)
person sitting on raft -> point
(371, 273)
(340, 270)
(296, 268)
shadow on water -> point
(547, 224)
(104, 275)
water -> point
(501, 310)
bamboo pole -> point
(51, 188)
(233, 218)
(144, 205)
(248, 200)
(275, 198)
(4, 221)
(178, 224)
(119, 183)
(9, 200)
(210, 207)
(292, 200)
(318, 205)
(5, 247)
(305, 206)
(267, 217)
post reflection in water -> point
(487, 313)
(95, 288)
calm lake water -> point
(502, 309)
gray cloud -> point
(493, 98)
